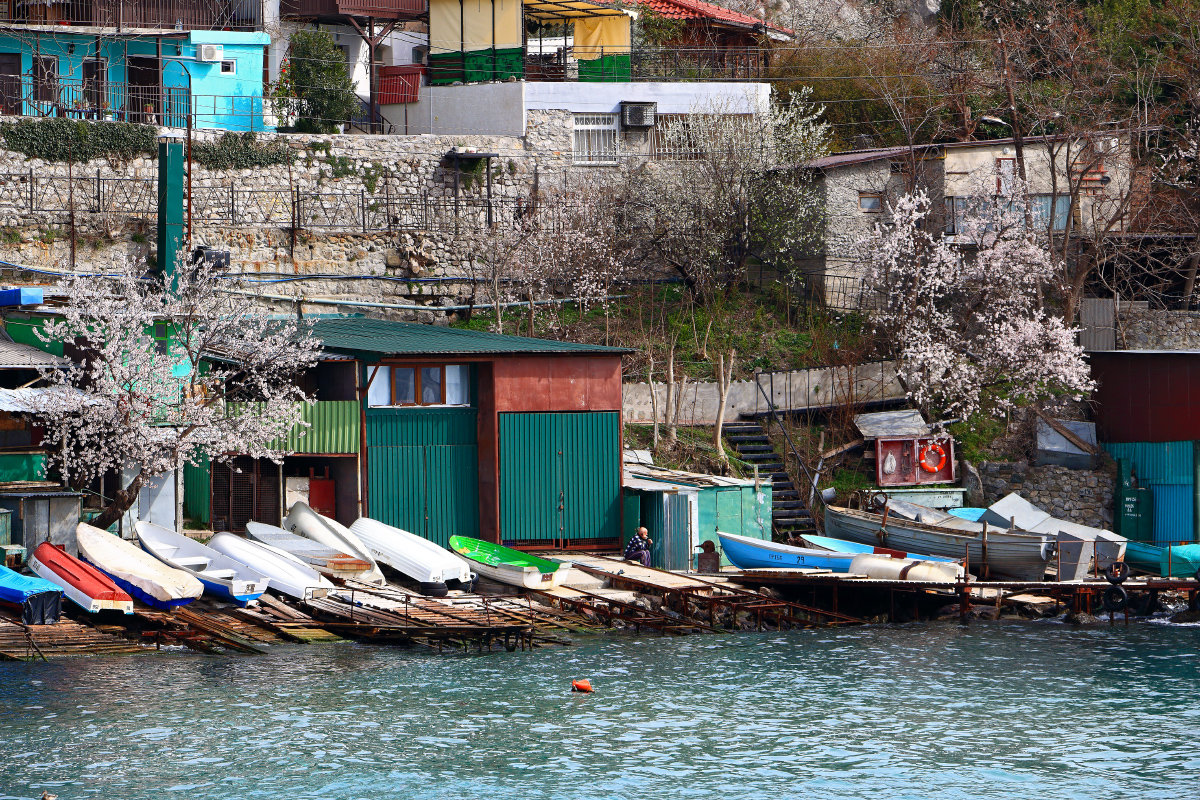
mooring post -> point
(964, 602)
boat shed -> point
(511, 439)
(683, 510)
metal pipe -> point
(404, 307)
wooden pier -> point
(20, 642)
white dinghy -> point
(330, 562)
(304, 521)
(431, 566)
(287, 574)
(221, 575)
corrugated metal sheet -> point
(23, 332)
(1173, 514)
(1157, 463)
(197, 491)
(412, 426)
(333, 428)
(560, 476)
(366, 336)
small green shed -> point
(682, 510)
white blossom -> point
(222, 383)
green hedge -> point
(79, 141)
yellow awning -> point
(474, 25)
(601, 36)
(561, 10)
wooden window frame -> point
(416, 368)
(875, 195)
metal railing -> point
(134, 14)
(99, 99)
(386, 209)
(378, 9)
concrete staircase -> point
(790, 515)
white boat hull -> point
(286, 574)
(524, 577)
(409, 554)
(304, 521)
(136, 571)
(335, 564)
(221, 575)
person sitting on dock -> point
(638, 548)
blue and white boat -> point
(746, 553)
(140, 574)
(221, 575)
(845, 546)
(38, 600)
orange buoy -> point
(581, 686)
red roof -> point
(697, 9)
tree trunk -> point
(653, 399)
(122, 502)
(670, 404)
(724, 379)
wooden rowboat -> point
(83, 584)
(505, 565)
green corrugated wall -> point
(22, 466)
(560, 476)
(423, 471)
(333, 428)
(22, 332)
(197, 491)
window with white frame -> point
(419, 385)
(596, 139)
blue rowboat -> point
(747, 553)
(39, 600)
(844, 546)
(1143, 557)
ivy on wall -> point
(79, 141)
(241, 151)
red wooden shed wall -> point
(1147, 397)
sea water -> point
(1007, 710)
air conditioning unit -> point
(638, 115)
(211, 52)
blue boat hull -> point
(222, 591)
(846, 546)
(745, 555)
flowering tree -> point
(964, 315)
(565, 246)
(730, 188)
(170, 371)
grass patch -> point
(974, 438)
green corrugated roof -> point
(367, 336)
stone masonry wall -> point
(1143, 328)
(1083, 496)
(413, 264)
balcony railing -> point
(378, 9)
(604, 66)
(92, 99)
(236, 15)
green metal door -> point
(729, 510)
(423, 471)
(560, 476)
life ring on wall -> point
(933, 447)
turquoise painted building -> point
(215, 76)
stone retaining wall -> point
(1143, 328)
(1083, 496)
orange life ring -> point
(924, 461)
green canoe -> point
(505, 565)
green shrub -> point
(79, 141)
(241, 151)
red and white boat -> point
(83, 584)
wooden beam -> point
(1067, 433)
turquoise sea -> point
(993, 710)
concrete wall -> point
(501, 109)
(796, 390)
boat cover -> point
(40, 600)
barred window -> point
(596, 139)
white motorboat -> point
(430, 565)
(221, 575)
(137, 572)
(287, 574)
(304, 521)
